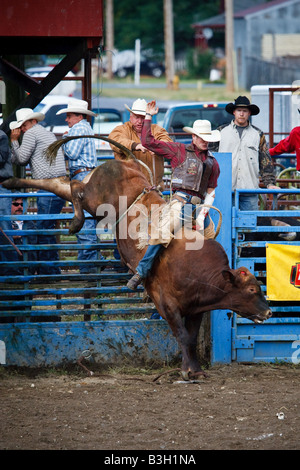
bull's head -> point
(246, 296)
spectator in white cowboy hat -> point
(35, 141)
(129, 135)
(250, 153)
(82, 158)
(195, 176)
(81, 153)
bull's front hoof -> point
(75, 226)
(189, 375)
(194, 375)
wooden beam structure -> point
(32, 28)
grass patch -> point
(197, 90)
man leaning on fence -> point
(82, 159)
(31, 151)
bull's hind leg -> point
(77, 189)
(59, 186)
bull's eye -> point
(252, 290)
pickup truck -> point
(181, 115)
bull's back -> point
(186, 275)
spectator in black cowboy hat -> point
(250, 153)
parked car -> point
(147, 67)
(123, 63)
(49, 106)
(105, 121)
(65, 87)
(181, 115)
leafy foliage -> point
(145, 21)
(200, 63)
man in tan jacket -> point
(129, 135)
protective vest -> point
(193, 174)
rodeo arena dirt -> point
(236, 407)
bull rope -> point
(219, 221)
(131, 205)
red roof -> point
(219, 20)
(44, 18)
(258, 8)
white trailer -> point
(285, 109)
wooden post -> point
(109, 36)
(229, 34)
(14, 94)
(169, 42)
(88, 82)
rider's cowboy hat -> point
(243, 102)
(25, 114)
(77, 106)
(202, 128)
(138, 107)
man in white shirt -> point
(250, 154)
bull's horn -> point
(52, 150)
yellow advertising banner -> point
(283, 272)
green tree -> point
(146, 22)
(200, 63)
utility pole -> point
(169, 42)
(109, 14)
(137, 62)
(229, 34)
(14, 95)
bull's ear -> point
(228, 275)
(236, 275)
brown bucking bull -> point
(183, 283)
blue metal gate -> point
(278, 338)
